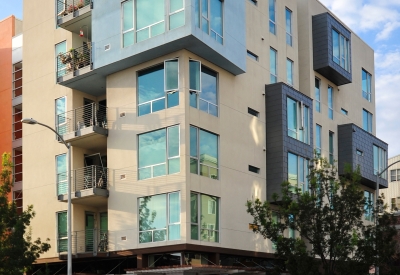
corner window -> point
(272, 65)
(17, 79)
(203, 88)
(209, 17)
(204, 217)
(331, 151)
(289, 71)
(368, 206)
(298, 120)
(366, 85)
(288, 15)
(159, 153)
(367, 121)
(203, 153)
(159, 218)
(330, 102)
(61, 174)
(340, 48)
(272, 14)
(61, 119)
(158, 87)
(62, 236)
(318, 139)
(380, 161)
(298, 172)
(317, 95)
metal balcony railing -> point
(89, 240)
(74, 59)
(65, 7)
(89, 115)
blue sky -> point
(378, 24)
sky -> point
(378, 24)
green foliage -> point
(18, 250)
(329, 220)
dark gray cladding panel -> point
(352, 138)
(322, 25)
(277, 139)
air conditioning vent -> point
(107, 47)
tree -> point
(329, 219)
(18, 250)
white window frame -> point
(56, 116)
(302, 120)
(56, 66)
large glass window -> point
(210, 18)
(369, 205)
(330, 102)
(17, 79)
(318, 139)
(128, 33)
(159, 153)
(288, 14)
(204, 217)
(61, 119)
(203, 88)
(176, 14)
(340, 50)
(366, 85)
(61, 48)
(272, 14)
(298, 120)
(289, 71)
(159, 218)
(203, 153)
(297, 172)
(380, 161)
(331, 152)
(158, 87)
(317, 95)
(61, 174)
(272, 65)
(367, 121)
(62, 236)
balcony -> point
(84, 127)
(89, 186)
(74, 63)
(73, 14)
(85, 243)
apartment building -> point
(178, 111)
(11, 99)
(392, 194)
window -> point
(289, 71)
(203, 88)
(210, 19)
(393, 174)
(359, 152)
(62, 236)
(317, 95)
(288, 27)
(318, 139)
(159, 153)
(252, 55)
(380, 161)
(298, 120)
(61, 174)
(292, 232)
(252, 112)
(159, 218)
(340, 50)
(204, 217)
(272, 65)
(17, 124)
(17, 198)
(61, 118)
(297, 172)
(367, 121)
(203, 153)
(393, 204)
(275, 219)
(158, 87)
(61, 68)
(254, 169)
(254, 2)
(17, 161)
(344, 111)
(176, 14)
(366, 85)
(369, 205)
(272, 13)
(330, 102)
(331, 158)
(17, 79)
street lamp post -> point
(69, 224)
(378, 175)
